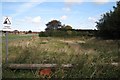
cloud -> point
(26, 6)
(66, 9)
(101, 1)
(36, 19)
(63, 17)
(72, 2)
(92, 19)
(104, 1)
(30, 20)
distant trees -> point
(109, 24)
(53, 25)
(56, 29)
(68, 27)
(29, 31)
(16, 32)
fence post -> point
(6, 59)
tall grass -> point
(86, 55)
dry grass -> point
(82, 53)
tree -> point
(53, 25)
(29, 31)
(16, 32)
(67, 27)
(109, 24)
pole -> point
(7, 24)
(6, 47)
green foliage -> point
(55, 29)
(109, 24)
(42, 34)
(53, 25)
(67, 27)
(67, 33)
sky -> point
(33, 15)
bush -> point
(42, 34)
(67, 33)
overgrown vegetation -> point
(88, 55)
(68, 33)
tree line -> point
(56, 29)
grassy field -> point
(88, 55)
